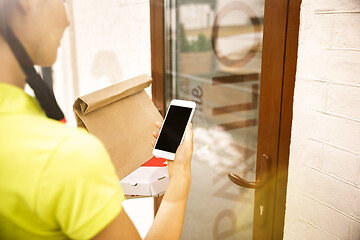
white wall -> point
(107, 42)
(323, 196)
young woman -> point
(57, 182)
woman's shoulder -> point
(77, 152)
(66, 140)
(49, 141)
(58, 131)
(76, 142)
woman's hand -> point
(182, 163)
(156, 134)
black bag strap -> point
(43, 93)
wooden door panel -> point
(281, 24)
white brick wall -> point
(323, 196)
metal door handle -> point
(264, 167)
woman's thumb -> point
(188, 133)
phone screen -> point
(173, 128)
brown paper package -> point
(122, 116)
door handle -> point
(261, 180)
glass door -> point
(213, 53)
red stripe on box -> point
(155, 162)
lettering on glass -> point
(197, 94)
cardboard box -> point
(122, 116)
(151, 179)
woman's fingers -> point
(189, 134)
(155, 133)
(186, 147)
(158, 124)
(188, 138)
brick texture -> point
(323, 196)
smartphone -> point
(172, 132)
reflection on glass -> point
(213, 57)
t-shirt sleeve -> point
(80, 191)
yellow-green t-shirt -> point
(55, 182)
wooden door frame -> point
(289, 75)
(276, 103)
(157, 53)
(287, 24)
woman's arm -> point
(169, 219)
